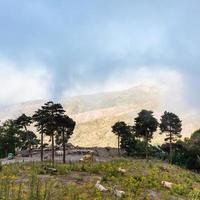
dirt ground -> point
(72, 155)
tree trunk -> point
(170, 150)
(28, 147)
(52, 137)
(6, 152)
(30, 152)
(146, 147)
(118, 146)
(63, 137)
(42, 150)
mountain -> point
(96, 113)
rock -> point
(87, 157)
(59, 153)
(153, 194)
(25, 153)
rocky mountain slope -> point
(95, 114)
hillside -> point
(95, 114)
(139, 180)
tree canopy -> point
(145, 125)
(172, 126)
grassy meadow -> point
(76, 181)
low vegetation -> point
(77, 181)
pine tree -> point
(66, 127)
(40, 119)
(23, 122)
(172, 126)
(119, 129)
(145, 125)
(52, 111)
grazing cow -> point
(118, 193)
(100, 187)
(121, 170)
(167, 184)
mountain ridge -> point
(96, 113)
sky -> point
(54, 49)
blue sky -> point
(59, 48)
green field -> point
(77, 181)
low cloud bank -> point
(169, 83)
(20, 84)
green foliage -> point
(126, 137)
(186, 153)
(195, 136)
(23, 121)
(40, 119)
(195, 194)
(120, 129)
(129, 144)
(172, 126)
(183, 153)
(52, 113)
(77, 181)
(192, 153)
(171, 123)
(65, 129)
(181, 189)
(9, 138)
(27, 138)
(145, 125)
(49, 120)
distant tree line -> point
(50, 120)
(135, 140)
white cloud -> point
(169, 83)
(20, 84)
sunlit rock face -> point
(95, 114)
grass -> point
(77, 181)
